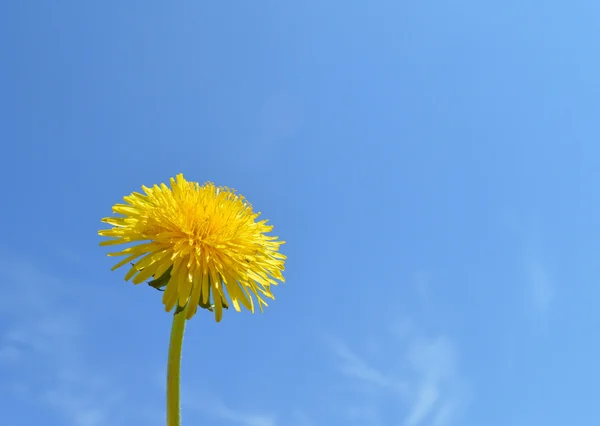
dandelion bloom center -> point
(203, 240)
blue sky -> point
(433, 166)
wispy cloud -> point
(426, 390)
(40, 337)
(300, 418)
(541, 286)
(210, 406)
(354, 366)
(438, 392)
(241, 418)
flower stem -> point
(174, 367)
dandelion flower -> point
(201, 243)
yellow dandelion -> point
(201, 243)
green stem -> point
(173, 369)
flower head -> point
(198, 241)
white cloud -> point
(300, 418)
(245, 419)
(80, 411)
(352, 365)
(426, 390)
(439, 392)
(213, 407)
(427, 396)
(542, 289)
(536, 279)
(41, 339)
(41, 334)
